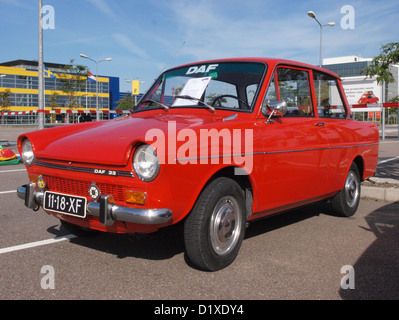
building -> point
(356, 84)
(20, 79)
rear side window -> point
(328, 98)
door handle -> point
(320, 124)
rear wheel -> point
(346, 202)
(214, 230)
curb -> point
(379, 192)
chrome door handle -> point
(320, 124)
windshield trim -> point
(162, 76)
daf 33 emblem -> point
(94, 192)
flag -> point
(48, 73)
(90, 76)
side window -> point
(328, 99)
(294, 89)
(251, 90)
(216, 88)
(271, 94)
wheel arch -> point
(244, 181)
(359, 161)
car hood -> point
(106, 142)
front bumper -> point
(105, 209)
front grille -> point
(81, 188)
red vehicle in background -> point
(368, 97)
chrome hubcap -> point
(225, 225)
(351, 189)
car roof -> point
(272, 62)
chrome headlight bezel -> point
(146, 163)
(27, 154)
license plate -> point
(64, 203)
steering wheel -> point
(217, 99)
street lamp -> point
(96, 62)
(312, 15)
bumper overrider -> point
(106, 209)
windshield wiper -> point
(158, 103)
(196, 99)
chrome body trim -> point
(276, 152)
(97, 171)
(106, 209)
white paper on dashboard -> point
(195, 88)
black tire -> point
(214, 230)
(346, 202)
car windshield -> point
(217, 85)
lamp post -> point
(312, 15)
(41, 107)
(96, 62)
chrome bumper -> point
(105, 209)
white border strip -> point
(5, 192)
(37, 243)
(388, 160)
(15, 170)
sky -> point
(143, 38)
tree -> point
(380, 65)
(126, 103)
(53, 99)
(73, 80)
(4, 102)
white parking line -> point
(15, 170)
(388, 160)
(11, 191)
(37, 243)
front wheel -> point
(346, 202)
(214, 230)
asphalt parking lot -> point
(305, 254)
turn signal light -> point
(33, 178)
(135, 197)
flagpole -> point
(40, 67)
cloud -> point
(127, 43)
(17, 3)
(211, 32)
(78, 40)
(103, 7)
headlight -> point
(146, 163)
(27, 152)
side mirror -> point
(271, 109)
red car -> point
(368, 97)
(213, 145)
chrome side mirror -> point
(272, 108)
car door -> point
(295, 145)
(347, 138)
